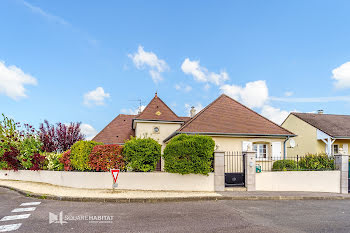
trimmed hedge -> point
(187, 154)
(105, 157)
(316, 162)
(79, 156)
(284, 165)
(142, 154)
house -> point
(232, 126)
(318, 133)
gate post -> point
(250, 169)
(342, 163)
(219, 171)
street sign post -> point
(115, 173)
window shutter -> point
(276, 150)
(245, 145)
(345, 148)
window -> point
(335, 149)
(261, 151)
(156, 129)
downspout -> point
(285, 148)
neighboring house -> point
(318, 133)
(232, 126)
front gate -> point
(234, 169)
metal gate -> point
(234, 169)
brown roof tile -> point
(158, 110)
(227, 116)
(333, 125)
(117, 131)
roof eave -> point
(230, 134)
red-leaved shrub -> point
(37, 161)
(105, 157)
(65, 160)
(11, 158)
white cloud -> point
(197, 106)
(12, 81)
(96, 97)
(274, 114)
(183, 87)
(43, 13)
(206, 86)
(312, 99)
(254, 94)
(288, 93)
(133, 111)
(156, 66)
(89, 131)
(201, 74)
(341, 75)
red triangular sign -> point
(115, 173)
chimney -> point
(320, 111)
(193, 111)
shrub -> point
(80, 152)
(59, 138)
(29, 146)
(11, 160)
(187, 154)
(316, 162)
(53, 161)
(37, 161)
(142, 154)
(65, 160)
(284, 165)
(105, 157)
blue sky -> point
(89, 60)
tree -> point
(61, 137)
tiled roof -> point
(117, 131)
(227, 116)
(158, 110)
(333, 125)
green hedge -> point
(142, 154)
(316, 162)
(284, 165)
(79, 156)
(186, 154)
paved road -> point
(203, 216)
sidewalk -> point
(48, 191)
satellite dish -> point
(291, 143)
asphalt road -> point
(201, 216)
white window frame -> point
(257, 155)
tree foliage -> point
(79, 156)
(61, 137)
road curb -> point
(172, 199)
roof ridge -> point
(156, 97)
(200, 112)
(224, 95)
(328, 114)
(259, 114)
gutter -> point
(285, 148)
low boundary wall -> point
(311, 181)
(126, 180)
